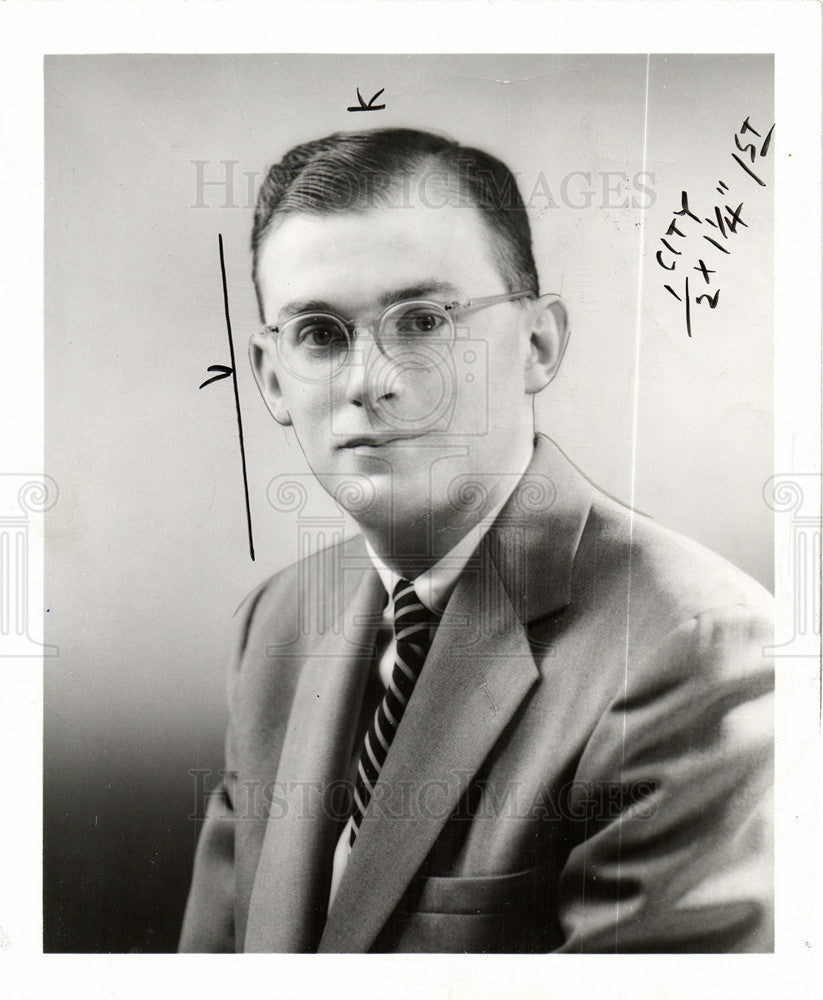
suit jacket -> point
(585, 763)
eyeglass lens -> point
(317, 343)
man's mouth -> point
(376, 440)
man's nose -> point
(370, 376)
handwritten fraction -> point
(226, 371)
(724, 221)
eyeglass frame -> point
(374, 326)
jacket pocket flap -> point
(467, 894)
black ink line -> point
(719, 224)
(224, 370)
(712, 299)
(705, 271)
(679, 253)
(751, 173)
(688, 311)
(735, 219)
(746, 127)
(715, 243)
(236, 391)
(371, 106)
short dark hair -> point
(355, 171)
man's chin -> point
(380, 497)
(365, 493)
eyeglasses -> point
(315, 346)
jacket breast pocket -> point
(487, 913)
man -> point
(517, 716)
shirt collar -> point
(434, 587)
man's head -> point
(358, 171)
(407, 411)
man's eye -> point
(320, 334)
(420, 321)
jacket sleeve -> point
(208, 923)
(683, 861)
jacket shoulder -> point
(660, 572)
(276, 603)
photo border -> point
(791, 30)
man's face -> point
(409, 428)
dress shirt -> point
(434, 588)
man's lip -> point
(376, 440)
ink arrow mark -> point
(224, 370)
(371, 106)
(230, 371)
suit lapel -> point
(288, 901)
(535, 538)
(478, 671)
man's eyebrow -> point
(304, 305)
(419, 290)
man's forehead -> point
(364, 254)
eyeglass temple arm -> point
(489, 300)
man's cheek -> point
(311, 418)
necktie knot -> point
(411, 617)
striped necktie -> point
(412, 630)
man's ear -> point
(262, 353)
(547, 344)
